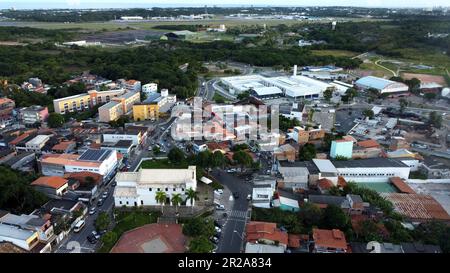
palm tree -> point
(160, 198)
(192, 195)
(176, 200)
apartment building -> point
(84, 101)
(118, 106)
(305, 134)
(33, 114)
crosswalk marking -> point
(238, 214)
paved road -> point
(77, 242)
(238, 215)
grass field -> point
(336, 53)
(376, 70)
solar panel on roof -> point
(95, 155)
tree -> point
(307, 152)
(310, 115)
(102, 222)
(413, 84)
(368, 113)
(55, 120)
(351, 93)
(156, 150)
(176, 155)
(243, 158)
(368, 231)
(203, 159)
(243, 95)
(109, 238)
(200, 245)
(192, 195)
(434, 232)
(287, 123)
(176, 200)
(335, 217)
(217, 159)
(435, 119)
(310, 215)
(328, 94)
(403, 104)
(160, 198)
(198, 226)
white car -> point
(220, 207)
(218, 229)
(92, 211)
(218, 191)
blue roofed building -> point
(380, 84)
(341, 148)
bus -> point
(79, 226)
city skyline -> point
(49, 4)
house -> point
(122, 146)
(137, 134)
(285, 152)
(287, 201)
(329, 241)
(199, 147)
(64, 147)
(262, 191)
(295, 110)
(52, 186)
(375, 247)
(34, 114)
(420, 248)
(263, 248)
(401, 186)
(23, 238)
(265, 233)
(435, 167)
(22, 161)
(6, 108)
(298, 243)
(366, 149)
(222, 147)
(6, 155)
(31, 222)
(140, 188)
(305, 134)
(325, 200)
(324, 185)
(37, 143)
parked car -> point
(235, 195)
(95, 234)
(218, 191)
(214, 239)
(217, 224)
(100, 202)
(92, 239)
(92, 211)
(104, 195)
(220, 207)
(217, 229)
(114, 184)
(249, 197)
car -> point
(101, 232)
(218, 234)
(95, 234)
(214, 239)
(235, 195)
(100, 202)
(104, 195)
(217, 229)
(92, 239)
(92, 211)
(218, 191)
(114, 184)
(220, 207)
(217, 224)
(249, 197)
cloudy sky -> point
(21, 4)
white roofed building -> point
(382, 85)
(140, 188)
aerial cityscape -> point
(224, 128)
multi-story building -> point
(37, 143)
(305, 134)
(136, 135)
(130, 85)
(140, 188)
(150, 88)
(118, 106)
(24, 238)
(33, 114)
(145, 111)
(84, 101)
(103, 162)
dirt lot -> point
(114, 37)
(425, 78)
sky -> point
(34, 4)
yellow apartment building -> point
(145, 111)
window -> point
(120, 202)
(167, 189)
(127, 202)
(149, 189)
(182, 189)
(174, 189)
(142, 202)
(159, 189)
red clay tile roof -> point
(217, 146)
(324, 184)
(19, 139)
(266, 231)
(81, 176)
(329, 238)
(371, 143)
(55, 182)
(401, 185)
(417, 206)
(63, 145)
(295, 240)
(169, 237)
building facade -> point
(34, 114)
